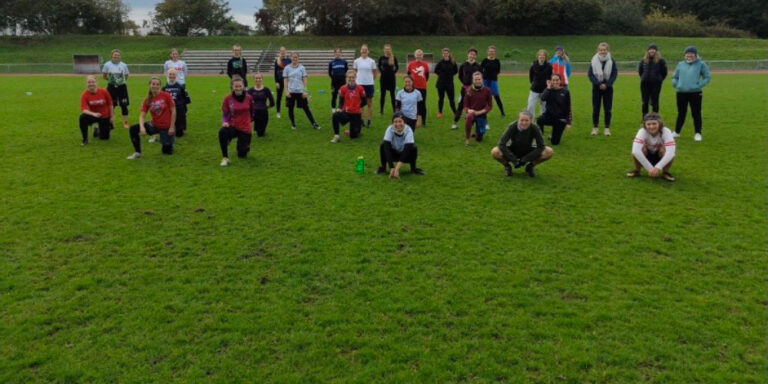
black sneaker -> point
(368, 124)
(508, 170)
(380, 171)
(668, 176)
(529, 170)
(84, 143)
(418, 171)
(95, 131)
(316, 126)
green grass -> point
(154, 49)
(289, 267)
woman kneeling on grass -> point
(398, 148)
(236, 112)
(352, 99)
(161, 107)
(653, 149)
(95, 107)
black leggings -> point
(607, 98)
(422, 106)
(181, 121)
(336, 84)
(104, 126)
(355, 121)
(650, 91)
(165, 139)
(297, 98)
(226, 134)
(558, 126)
(683, 99)
(279, 95)
(442, 92)
(387, 86)
(260, 121)
(408, 155)
(460, 107)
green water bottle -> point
(360, 165)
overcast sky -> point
(241, 10)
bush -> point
(722, 29)
(623, 17)
(657, 23)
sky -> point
(241, 10)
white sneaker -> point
(487, 127)
(152, 139)
(335, 139)
(333, 110)
(293, 127)
(454, 126)
(697, 137)
(607, 132)
(135, 155)
(594, 131)
(224, 162)
(277, 115)
(675, 135)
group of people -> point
(245, 110)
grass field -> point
(290, 268)
(155, 49)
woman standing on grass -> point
(95, 107)
(295, 83)
(561, 64)
(491, 69)
(337, 71)
(161, 107)
(408, 100)
(366, 77)
(388, 68)
(653, 149)
(445, 70)
(236, 112)
(653, 71)
(466, 71)
(181, 98)
(177, 65)
(418, 70)
(116, 73)
(602, 74)
(691, 76)
(539, 74)
(281, 61)
(558, 113)
(237, 65)
(262, 100)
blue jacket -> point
(611, 77)
(337, 68)
(691, 77)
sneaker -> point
(529, 170)
(418, 171)
(454, 126)
(84, 143)
(224, 162)
(675, 134)
(277, 115)
(152, 139)
(508, 170)
(380, 171)
(607, 132)
(668, 176)
(135, 155)
(697, 137)
(293, 127)
(439, 115)
(126, 126)
(633, 173)
(594, 131)
(487, 127)
(316, 126)
(333, 110)
(335, 139)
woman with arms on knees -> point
(295, 84)
(281, 61)
(445, 70)
(236, 111)
(366, 76)
(181, 98)
(558, 112)
(653, 149)
(388, 67)
(407, 103)
(262, 100)
(161, 107)
(521, 145)
(691, 76)
(398, 148)
(602, 74)
(95, 107)
(653, 71)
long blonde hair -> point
(656, 57)
(450, 56)
(391, 56)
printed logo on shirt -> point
(97, 102)
(419, 71)
(157, 106)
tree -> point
(265, 22)
(191, 17)
(66, 16)
(289, 15)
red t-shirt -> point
(352, 98)
(419, 70)
(237, 113)
(99, 102)
(160, 109)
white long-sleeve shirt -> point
(653, 144)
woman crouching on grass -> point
(398, 148)
(95, 107)
(161, 107)
(653, 149)
(236, 112)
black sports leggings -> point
(226, 134)
(422, 106)
(297, 98)
(650, 91)
(558, 126)
(607, 98)
(260, 121)
(683, 99)
(442, 92)
(104, 126)
(279, 95)
(387, 86)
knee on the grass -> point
(497, 154)
(547, 153)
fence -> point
(508, 66)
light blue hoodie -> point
(691, 77)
